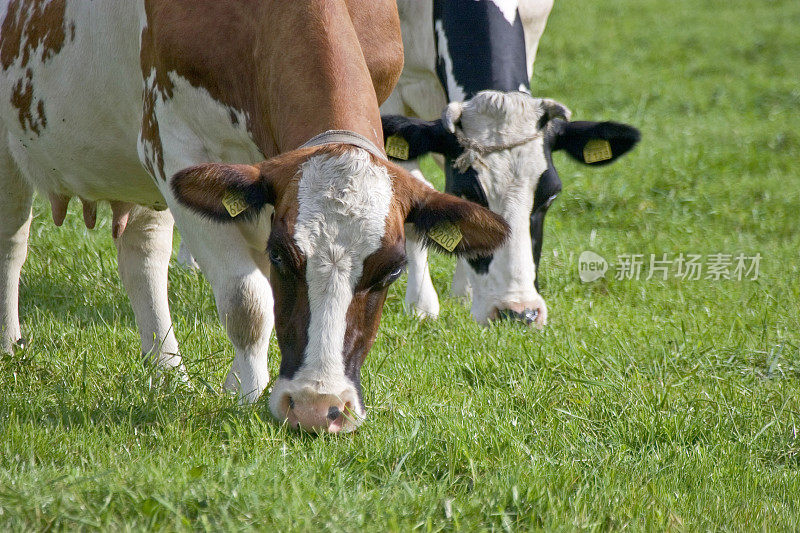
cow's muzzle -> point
(531, 313)
(312, 406)
(527, 316)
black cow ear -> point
(593, 143)
(410, 138)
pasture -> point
(644, 404)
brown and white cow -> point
(173, 103)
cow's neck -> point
(478, 48)
(322, 80)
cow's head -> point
(498, 147)
(335, 246)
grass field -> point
(644, 405)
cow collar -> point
(345, 137)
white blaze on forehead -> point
(343, 204)
(496, 117)
(508, 8)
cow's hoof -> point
(9, 346)
(424, 311)
(171, 379)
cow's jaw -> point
(343, 204)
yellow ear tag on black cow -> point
(446, 234)
(397, 147)
(234, 203)
(597, 150)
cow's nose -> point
(320, 413)
(318, 406)
(318, 416)
(526, 316)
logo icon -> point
(591, 266)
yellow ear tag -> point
(397, 147)
(234, 203)
(446, 234)
(597, 150)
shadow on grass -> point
(156, 416)
(69, 304)
(140, 402)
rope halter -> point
(475, 151)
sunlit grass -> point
(643, 405)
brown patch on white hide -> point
(244, 317)
(28, 25)
(31, 26)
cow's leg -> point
(143, 252)
(421, 297)
(231, 262)
(461, 287)
(15, 222)
(242, 293)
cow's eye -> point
(275, 257)
(393, 276)
(396, 274)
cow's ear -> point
(452, 225)
(223, 192)
(592, 143)
(410, 138)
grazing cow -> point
(173, 103)
(496, 138)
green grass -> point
(644, 405)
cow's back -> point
(71, 97)
(419, 91)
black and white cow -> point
(496, 138)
